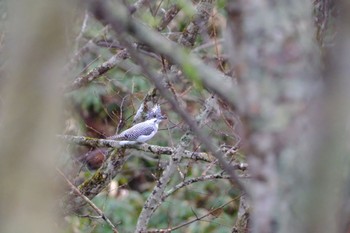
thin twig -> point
(87, 200)
(207, 45)
(82, 30)
(219, 175)
(204, 216)
(212, 212)
(121, 114)
(75, 58)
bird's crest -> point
(155, 112)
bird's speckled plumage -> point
(140, 132)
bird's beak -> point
(163, 117)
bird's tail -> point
(114, 137)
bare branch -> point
(168, 17)
(98, 71)
(154, 149)
(219, 175)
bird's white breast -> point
(144, 138)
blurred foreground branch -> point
(31, 105)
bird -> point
(140, 132)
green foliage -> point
(220, 4)
(89, 98)
(188, 9)
(122, 210)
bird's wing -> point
(134, 132)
